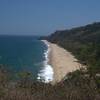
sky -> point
(42, 17)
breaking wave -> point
(46, 73)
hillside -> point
(83, 42)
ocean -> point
(26, 54)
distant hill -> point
(88, 33)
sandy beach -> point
(62, 62)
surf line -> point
(46, 74)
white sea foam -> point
(46, 74)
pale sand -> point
(62, 62)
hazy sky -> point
(45, 16)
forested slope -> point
(83, 42)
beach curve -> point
(62, 62)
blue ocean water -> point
(22, 53)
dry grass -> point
(76, 86)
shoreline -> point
(61, 61)
(46, 73)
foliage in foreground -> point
(75, 86)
